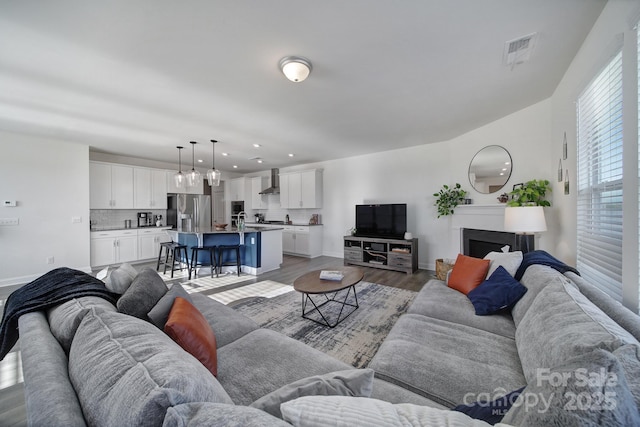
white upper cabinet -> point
(237, 190)
(258, 201)
(111, 186)
(301, 190)
(150, 188)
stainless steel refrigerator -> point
(186, 211)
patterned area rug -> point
(355, 340)
(264, 289)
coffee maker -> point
(145, 219)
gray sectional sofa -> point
(438, 355)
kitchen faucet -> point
(242, 217)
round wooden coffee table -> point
(311, 284)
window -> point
(599, 213)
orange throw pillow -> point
(468, 273)
(189, 328)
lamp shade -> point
(295, 68)
(524, 219)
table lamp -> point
(524, 221)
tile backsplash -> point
(109, 218)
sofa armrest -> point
(50, 398)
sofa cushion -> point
(143, 294)
(499, 292)
(322, 411)
(352, 382)
(160, 312)
(227, 323)
(437, 300)
(445, 361)
(510, 261)
(65, 318)
(629, 357)
(562, 324)
(467, 273)
(119, 280)
(491, 411)
(254, 365)
(535, 278)
(590, 389)
(127, 372)
(218, 414)
(188, 327)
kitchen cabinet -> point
(259, 201)
(111, 186)
(150, 188)
(172, 189)
(149, 240)
(302, 240)
(113, 247)
(237, 190)
(301, 190)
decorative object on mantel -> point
(213, 174)
(530, 193)
(448, 198)
(564, 147)
(179, 177)
(560, 171)
(566, 182)
(295, 68)
(194, 178)
(525, 221)
(503, 198)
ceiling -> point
(137, 78)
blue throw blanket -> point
(54, 287)
(542, 257)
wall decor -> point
(490, 169)
(566, 181)
(564, 147)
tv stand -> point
(388, 254)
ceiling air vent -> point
(518, 51)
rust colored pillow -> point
(468, 273)
(189, 328)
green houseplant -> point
(448, 198)
(531, 193)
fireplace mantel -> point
(482, 217)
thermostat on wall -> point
(9, 203)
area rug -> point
(354, 341)
(264, 289)
(206, 283)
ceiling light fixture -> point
(179, 177)
(295, 68)
(194, 178)
(213, 175)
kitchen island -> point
(261, 249)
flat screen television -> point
(388, 221)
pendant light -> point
(178, 177)
(194, 179)
(213, 175)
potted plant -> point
(531, 193)
(448, 198)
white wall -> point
(614, 28)
(412, 175)
(49, 179)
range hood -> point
(275, 183)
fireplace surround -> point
(478, 243)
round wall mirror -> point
(490, 169)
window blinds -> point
(599, 211)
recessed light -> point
(504, 169)
(259, 161)
(507, 163)
(235, 166)
(225, 154)
(256, 145)
(291, 154)
(501, 173)
(200, 160)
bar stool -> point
(194, 258)
(175, 252)
(230, 248)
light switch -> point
(9, 221)
(9, 203)
(76, 219)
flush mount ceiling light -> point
(194, 178)
(295, 68)
(213, 174)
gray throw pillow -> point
(588, 390)
(65, 318)
(218, 414)
(121, 278)
(143, 294)
(351, 382)
(160, 312)
(126, 372)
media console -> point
(388, 254)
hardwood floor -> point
(12, 404)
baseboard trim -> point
(23, 280)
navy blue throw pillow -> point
(499, 292)
(490, 412)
